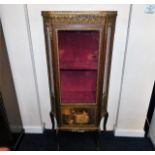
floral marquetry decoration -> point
(78, 116)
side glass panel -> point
(78, 61)
(105, 79)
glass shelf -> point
(87, 65)
(78, 69)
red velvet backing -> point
(78, 58)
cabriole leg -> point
(105, 121)
(52, 120)
(57, 135)
(98, 138)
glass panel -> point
(105, 79)
(78, 116)
(78, 60)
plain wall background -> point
(139, 72)
(17, 42)
(23, 30)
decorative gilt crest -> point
(82, 17)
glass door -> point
(78, 60)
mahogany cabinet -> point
(79, 50)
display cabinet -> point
(79, 50)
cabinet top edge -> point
(51, 14)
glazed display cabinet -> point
(79, 50)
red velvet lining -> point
(78, 54)
(78, 86)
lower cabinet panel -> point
(78, 116)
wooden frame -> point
(104, 22)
